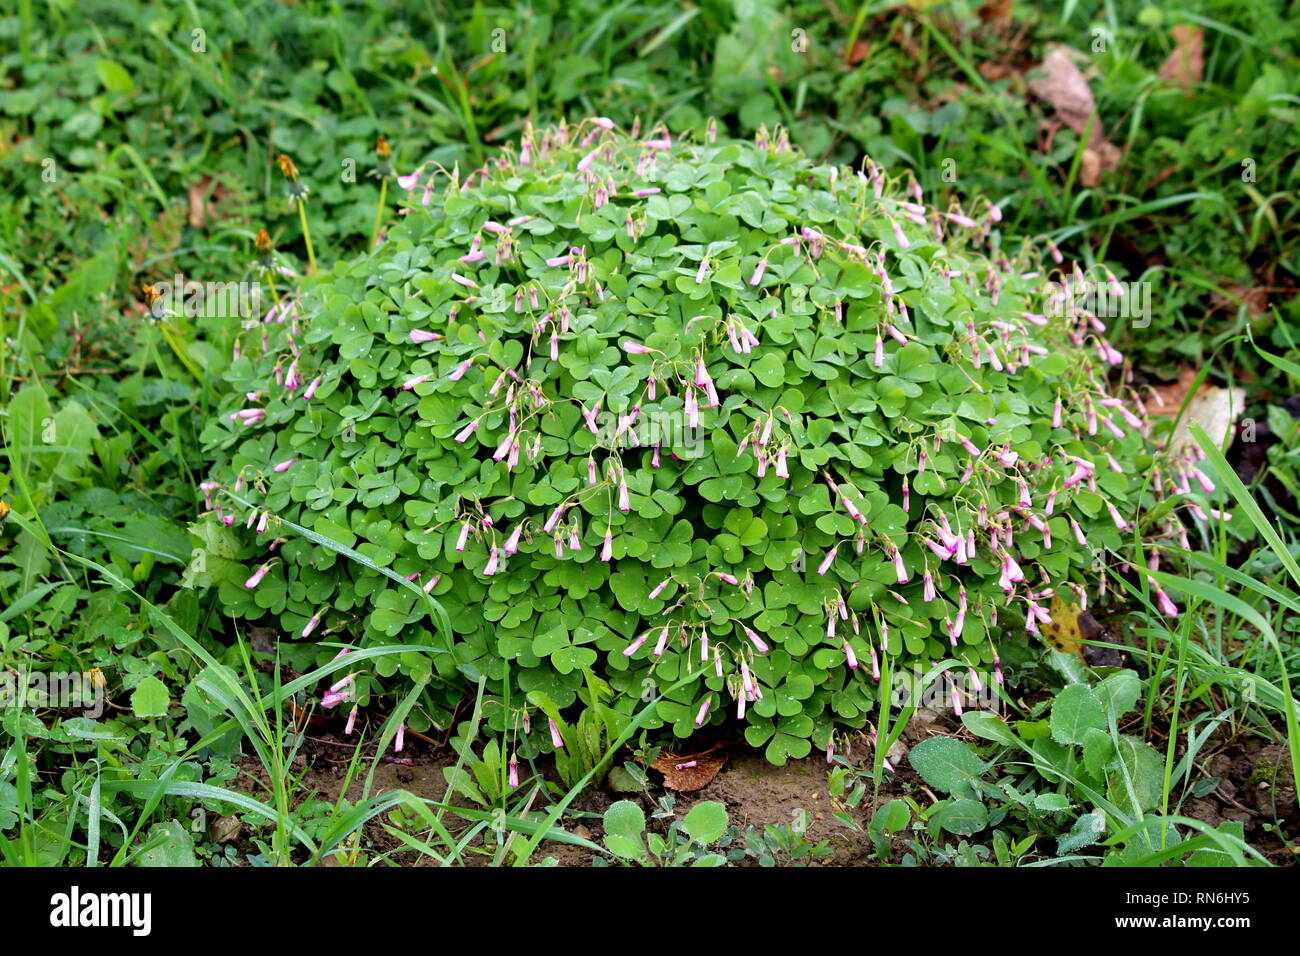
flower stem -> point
(379, 211)
(306, 235)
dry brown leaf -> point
(225, 829)
(995, 10)
(686, 774)
(996, 71)
(1186, 65)
(1059, 82)
(1255, 298)
(203, 200)
(1214, 409)
(1094, 163)
(1170, 398)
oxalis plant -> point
(722, 430)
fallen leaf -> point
(1062, 631)
(996, 71)
(1167, 399)
(1059, 82)
(1185, 66)
(1073, 630)
(1255, 298)
(225, 829)
(203, 200)
(689, 773)
(1216, 410)
(995, 10)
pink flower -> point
(659, 588)
(1202, 479)
(422, 335)
(648, 191)
(310, 393)
(900, 569)
(340, 684)
(759, 644)
(311, 625)
(352, 721)
(898, 235)
(850, 658)
(554, 519)
(1166, 606)
(284, 466)
(400, 740)
(1116, 517)
(465, 432)
(512, 542)
(782, 470)
(257, 576)
(624, 501)
(459, 371)
(464, 536)
(703, 712)
(410, 383)
(607, 550)
(636, 348)
(460, 279)
(556, 740)
(757, 277)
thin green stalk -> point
(306, 236)
(379, 211)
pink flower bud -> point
(703, 712)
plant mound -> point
(702, 426)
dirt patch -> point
(1254, 787)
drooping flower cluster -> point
(745, 426)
